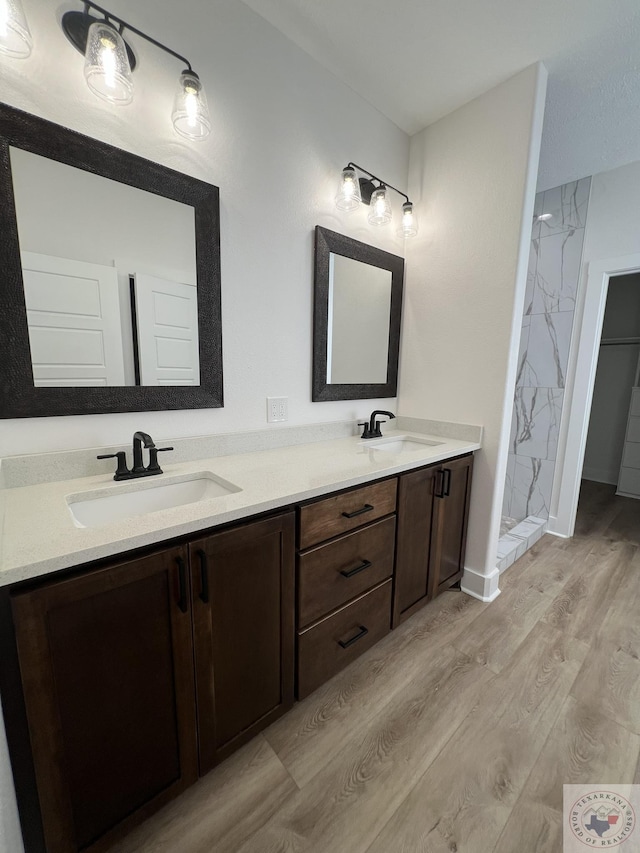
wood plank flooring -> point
(458, 730)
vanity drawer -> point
(332, 574)
(330, 645)
(330, 517)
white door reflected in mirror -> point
(73, 315)
(167, 331)
(72, 224)
(359, 311)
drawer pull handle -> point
(182, 582)
(365, 508)
(446, 482)
(361, 633)
(357, 569)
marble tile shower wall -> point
(552, 283)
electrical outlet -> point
(277, 409)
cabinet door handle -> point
(439, 491)
(204, 576)
(182, 581)
(365, 508)
(446, 482)
(361, 633)
(357, 569)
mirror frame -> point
(326, 243)
(19, 398)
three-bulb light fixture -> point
(354, 191)
(109, 61)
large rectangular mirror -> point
(357, 315)
(111, 278)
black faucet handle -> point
(121, 471)
(153, 466)
(365, 431)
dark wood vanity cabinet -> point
(107, 674)
(139, 675)
(414, 551)
(451, 518)
(433, 509)
(243, 620)
(345, 566)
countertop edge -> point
(121, 545)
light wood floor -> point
(456, 732)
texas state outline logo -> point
(600, 817)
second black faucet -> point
(372, 429)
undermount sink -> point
(400, 443)
(117, 503)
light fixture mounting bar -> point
(376, 178)
(89, 4)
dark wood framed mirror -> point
(356, 319)
(78, 220)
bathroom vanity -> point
(128, 675)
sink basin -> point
(139, 497)
(400, 443)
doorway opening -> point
(585, 355)
(612, 452)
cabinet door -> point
(450, 524)
(414, 542)
(243, 606)
(106, 664)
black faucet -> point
(138, 438)
(372, 429)
(138, 470)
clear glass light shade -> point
(409, 225)
(106, 65)
(15, 37)
(380, 212)
(348, 197)
(190, 114)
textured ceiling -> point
(418, 60)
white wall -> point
(611, 234)
(614, 209)
(472, 177)
(283, 128)
(615, 376)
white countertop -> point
(39, 535)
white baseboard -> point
(483, 587)
(552, 528)
(559, 535)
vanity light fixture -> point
(348, 197)
(107, 69)
(409, 226)
(15, 36)
(354, 190)
(190, 114)
(109, 61)
(380, 212)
